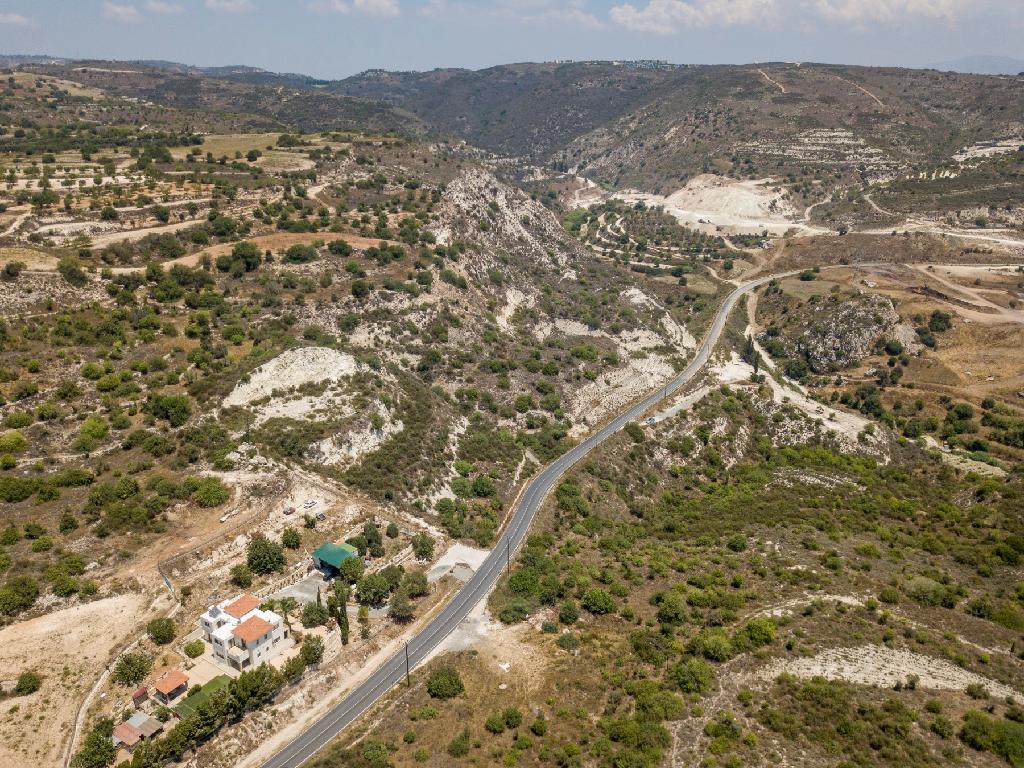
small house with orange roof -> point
(170, 685)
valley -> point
(685, 432)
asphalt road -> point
(303, 747)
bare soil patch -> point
(68, 649)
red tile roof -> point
(242, 605)
(171, 681)
(141, 693)
(127, 734)
(252, 629)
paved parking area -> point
(304, 590)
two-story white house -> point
(242, 635)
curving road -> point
(303, 747)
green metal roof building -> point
(329, 557)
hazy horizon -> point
(337, 38)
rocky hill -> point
(655, 128)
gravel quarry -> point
(709, 202)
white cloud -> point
(229, 6)
(888, 10)
(379, 8)
(125, 14)
(667, 16)
(158, 6)
(14, 20)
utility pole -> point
(408, 684)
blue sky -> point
(335, 38)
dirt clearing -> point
(68, 649)
(884, 667)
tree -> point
(692, 675)
(400, 608)
(291, 538)
(72, 271)
(241, 576)
(423, 546)
(313, 615)
(174, 409)
(131, 668)
(415, 583)
(444, 683)
(287, 605)
(392, 531)
(312, 651)
(293, 669)
(244, 257)
(339, 248)
(364, 621)
(393, 574)
(264, 556)
(97, 751)
(351, 569)
(161, 631)
(373, 589)
(341, 608)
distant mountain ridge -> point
(646, 125)
(983, 65)
(16, 59)
(240, 73)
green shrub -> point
(598, 601)
(1004, 738)
(459, 746)
(13, 442)
(17, 420)
(131, 668)
(241, 576)
(194, 649)
(18, 594)
(495, 723)
(300, 254)
(444, 682)
(712, 644)
(28, 682)
(161, 631)
(692, 675)
(313, 615)
(210, 492)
